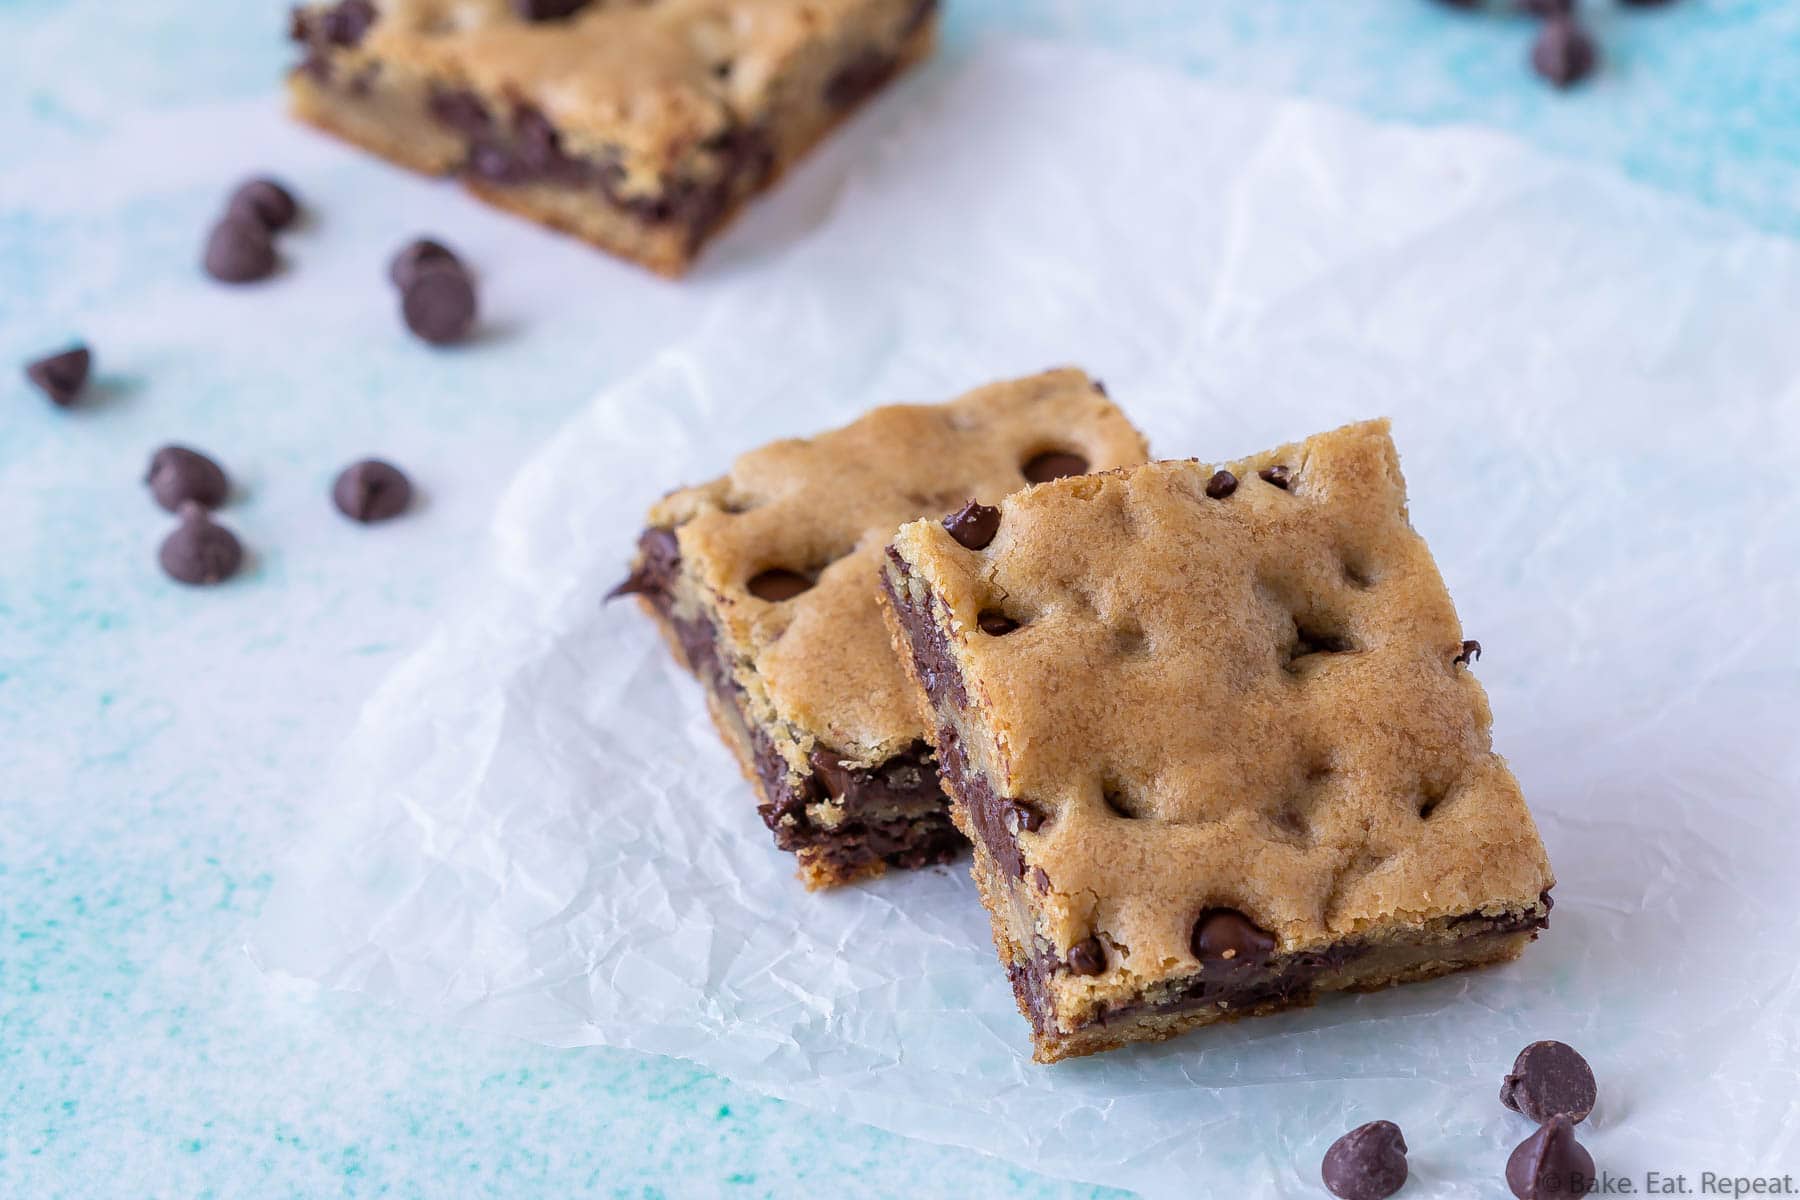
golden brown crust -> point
(819, 667)
(664, 94)
(1248, 702)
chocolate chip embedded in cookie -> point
(973, 525)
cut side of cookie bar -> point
(1215, 738)
(765, 584)
(638, 125)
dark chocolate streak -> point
(1285, 979)
(914, 839)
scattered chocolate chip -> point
(1053, 464)
(547, 10)
(659, 554)
(1564, 54)
(1471, 650)
(404, 266)
(973, 525)
(266, 202)
(239, 250)
(1368, 1163)
(371, 490)
(1280, 476)
(778, 584)
(438, 302)
(348, 22)
(1087, 957)
(61, 376)
(1550, 1164)
(1550, 1079)
(200, 551)
(1221, 485)
(1227, 937)
(1025, 818)
(995, 624)
(178, 476)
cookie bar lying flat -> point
(765, 583)
(639, 125)
(1216, 741)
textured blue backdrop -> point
(142, 809)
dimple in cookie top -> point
(787, 547)
(1235, 690)
(645, 81)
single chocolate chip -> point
(995, 624)
(778, 584)
(1025, 818)
(438, 302)
(200, 551)
(239, 250)
(1550, 1079)
(61, 376)
(266, 202)
(1039, 879)
(1471, 650)
(973, 525)
(1053, 464)
(371, 490)
(1087, 957)
(1550, 1164)
(1280, 476)
(404, 266)
(1564, 54)
(178, 475)
(547, 10)
(347, 22)
(1368, 1163)
(1226, 937)
(1221, 485)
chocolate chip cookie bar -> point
(639, 125)
(764, 583)
(1214, 735)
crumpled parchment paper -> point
(535, 831)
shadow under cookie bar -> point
(512, 155)
(842, 823)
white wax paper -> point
(535, 831)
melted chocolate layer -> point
(894, 812)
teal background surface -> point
(144, 805)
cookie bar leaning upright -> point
(1216, 740)
(765, 584)
(639, 125)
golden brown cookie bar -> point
(764, 582)
(639, 125)
(1215, 738)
